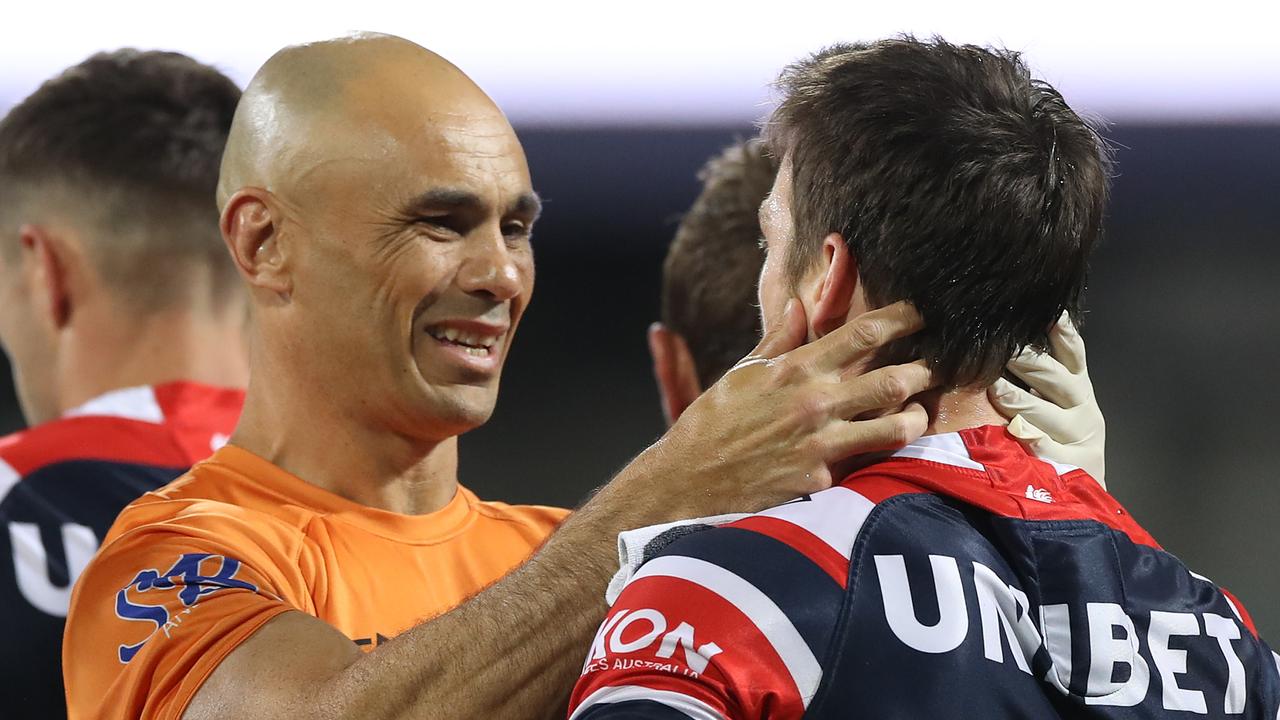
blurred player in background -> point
(711, 319)
(379, 207)
(960, 576)
(123, 321)
(710, 316)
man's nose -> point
(489, 268)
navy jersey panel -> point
(956, 613)
(53, 522)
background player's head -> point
(107, 220)
(935, 173)
(709, 316)
(379, 206)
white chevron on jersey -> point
(1230, 603)
(835, 515)
(761, 612)
(690, 706)
(8, 478)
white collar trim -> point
(135, 403)
(946, 448)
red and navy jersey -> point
(960, 578)
(61, 486)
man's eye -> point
(762, 243)
(515, 231)
(440, 223)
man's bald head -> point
(379, 205)
(350, 98)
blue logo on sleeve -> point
(192, 583)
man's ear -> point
(833, 296)
(674, 371)
(46, 257)
(251, 228)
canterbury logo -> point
(1039, 494)
(192, 577)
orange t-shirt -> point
(190, 571)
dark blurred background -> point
(1183, 332)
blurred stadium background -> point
(618, 108)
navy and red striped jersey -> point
(61, 486)
(960, 578)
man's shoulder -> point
(817, 531)
(82, 469)
(101, 438)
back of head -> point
(958, 182)
(709, 277)
(126, 146)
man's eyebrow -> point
(457, 199)
(528, 204)
(444, 199)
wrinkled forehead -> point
(395, 149)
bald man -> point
(379, 209)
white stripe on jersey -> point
(766, 616)
(1231, 604)
(690, 706)
(835, 515)
(1277, 659)
(947, 448)
(8, 478)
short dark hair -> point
(131, 141)
(959, 183)
(709, 277)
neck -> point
(106, 350)
(324, 441)
(959, 409)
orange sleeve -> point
(161, 606)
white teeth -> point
(473, 343)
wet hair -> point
(959, 183)
(128, 143)
(709, 277)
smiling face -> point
(419, 267)
(402, 202)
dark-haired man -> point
(711, 319)
(122, 319)
(709, 316)
(959, 576)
